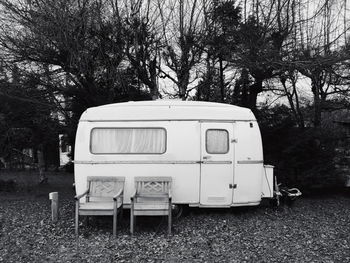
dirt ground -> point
(315, 229)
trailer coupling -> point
(289, 195)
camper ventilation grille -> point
(216, 199)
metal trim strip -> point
(217, 162)
(152, 162)
(136, 162)
(250, 161)
(167, 120)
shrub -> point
(303, 157)
(69, 167)
(8, 186)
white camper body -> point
(212, 151)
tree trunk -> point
(254, 90)
(300, 117)
(317, 101)
(289, 97)
(345, 23)
(153, 79)
(41, 165)
(182, 90)
(222, 82)
(154, 93)
(184, 78)
(241, 89)
(295, 107)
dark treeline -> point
(60, 57)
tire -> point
(179, 211)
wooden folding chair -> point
(104, 196)
(152, 197)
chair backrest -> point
(104, 187)
(153, 185)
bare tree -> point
(143, 42)
(321, 57)
(224, 19)
(262, 40)
(73, 36)
(183, 29)
(291, 92)
(80, 44)
(305, 37)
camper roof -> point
(167, 110)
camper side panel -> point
(248, 164)
(180, 157)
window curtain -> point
(128, 140)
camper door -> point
(216, 184)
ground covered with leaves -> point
(315, 229)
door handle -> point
(232, 186)
(206, 157)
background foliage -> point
(61, 57)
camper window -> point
(128, 141)
(217, 141)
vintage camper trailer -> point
(212, 151)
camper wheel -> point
(179, 210)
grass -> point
(316, 229)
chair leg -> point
(132, 221)
(169, 222)
(77, 218)
(115, 219)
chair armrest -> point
(169, 195)
(77, 197)
(132, 196)
(118, 194)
